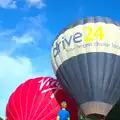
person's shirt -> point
(63, 115)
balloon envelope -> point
(38, 99)
(86, 60)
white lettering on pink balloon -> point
(54, 85)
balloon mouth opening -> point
(96, 116)
(96, 109)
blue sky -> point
(27, 30)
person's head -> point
(63, 105)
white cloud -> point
(13, 71)
(25, 38)
(8, 4)
(36, 3)
(31, 32)
(11, 4)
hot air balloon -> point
(38, 99)
(86, 61)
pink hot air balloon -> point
(38, 99)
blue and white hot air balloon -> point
(86, 60)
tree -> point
(114, 114)
(1, 118)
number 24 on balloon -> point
(91, 35)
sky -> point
(27, 31)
